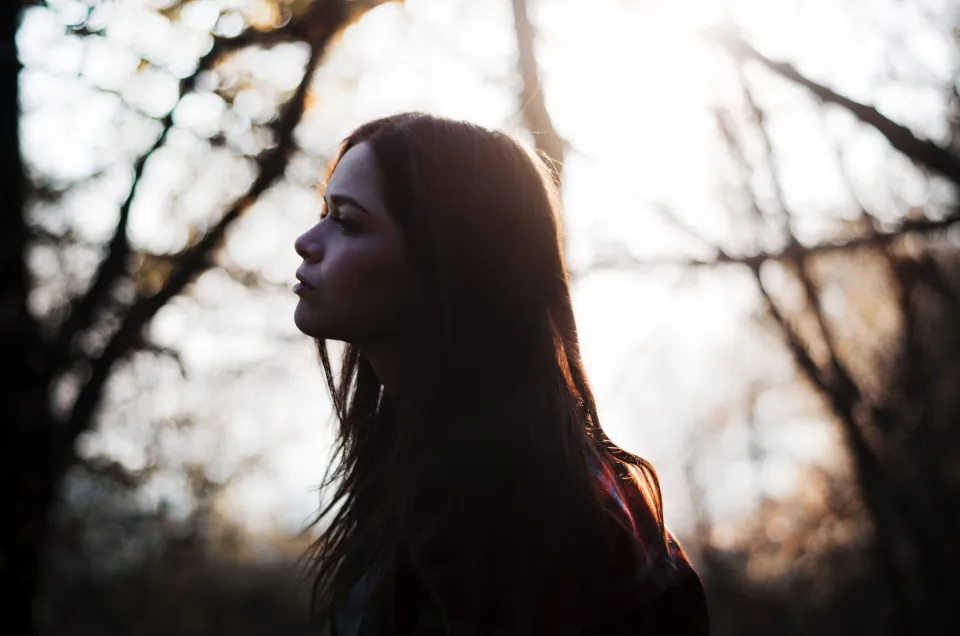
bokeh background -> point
(762, 227)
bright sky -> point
(628, 86)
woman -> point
(474, 490)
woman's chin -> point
(306, 323)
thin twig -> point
(199, 257)
(922, 151)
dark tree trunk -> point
(38, 447)
(27, 474)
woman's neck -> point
(387, 362)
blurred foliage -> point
(116, 566)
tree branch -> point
(199, 257)
(114, 265)
(729, 135)
(308, 27)
(760, 121)
(550, 146)
(790, 252)
(923, 152)
(889, 505)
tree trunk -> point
(27, 474)
(39, 447)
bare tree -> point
(41, 443)
(549, 145)
(903, 439)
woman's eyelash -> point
(345, 226)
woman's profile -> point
(473, 490)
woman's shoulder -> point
(666, 599)
(659, 593)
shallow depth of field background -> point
(761, 214)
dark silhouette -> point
(470, 486)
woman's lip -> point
(301, 287)
(302, 283)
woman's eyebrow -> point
(344, 199)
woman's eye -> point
(346, 227)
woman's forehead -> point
(356, 170)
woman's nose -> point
(304, 247)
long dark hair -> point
(473, 486)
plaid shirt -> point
(665, 595)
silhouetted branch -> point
(199, 257)
(167, 352)
(114, 265)
(788, 253)
(870, 477)
(892, 510)
(309, 27)
(729, 135)
(923, 152)
(760, 121)
(847, 180)
(842, 380)
(548, 142)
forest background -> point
(762, 227)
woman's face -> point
(355, 283)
